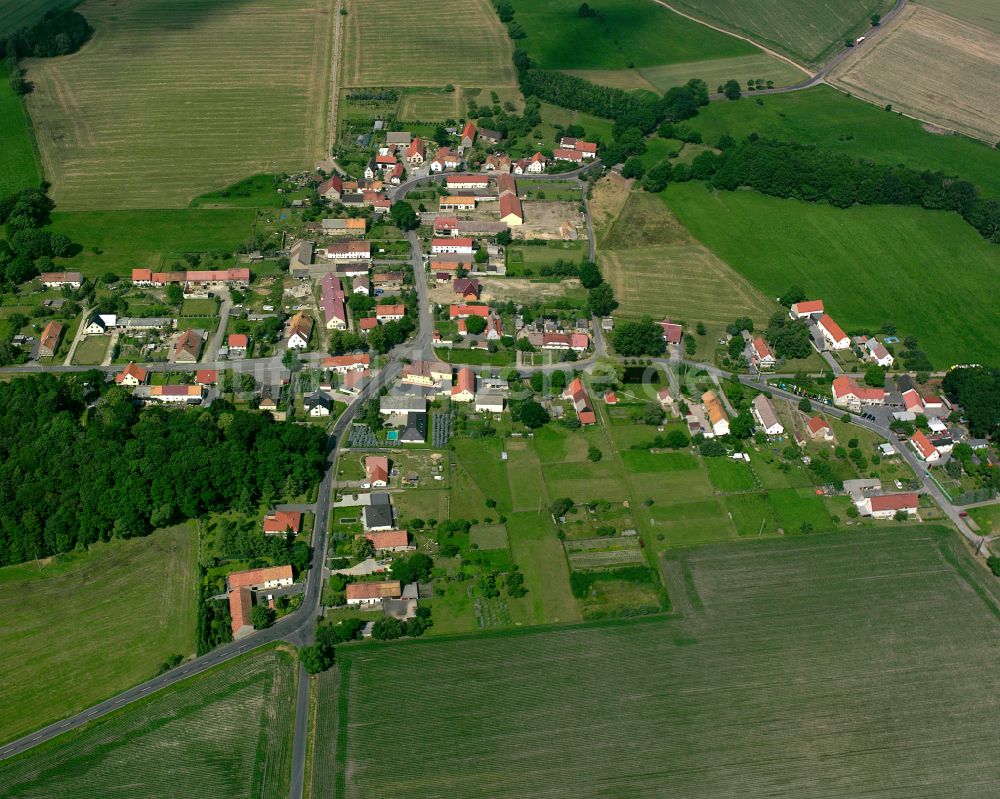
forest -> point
(81, 462)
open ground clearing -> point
(832, 664)
(128, 239)
(92, 625)
(836, 122)
(807, 30)
(20, 166)
(398, 43)
(984, 13)
(172, 99)
(15, 14)
(227, 732)
(933, 67)
(847, 257)
(658, 269)
(628, 33)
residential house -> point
(673, 333)
(765, 416)
(396, 174)
(445, 225)
(373, 593)
(453, 182)
(200, 279)
(390, 541)
(188, 395)
(451, 246)
(385, 163)
(562, 154)
(354, 382)
(261, 579)
(332, 302)
(716, 413)
(361, 285)
(342, 364)
(832, 333)
(299, 330)
(464, 311)
(49, 341)
(398, 139)
(415, 429)
(188, 347)
(809, 309)
(489, 402)
(761, 354)
(467, 287)
(206, 377)
(819, 428)
(416, 153)
(377, 517)
(577, 394)
(464, 389)
(388, 281)
(457, 202)
(238, 343)
(356, 226)
(886, 506)
(376, 472)
(389, 405)
(468, 137)
(390, 313)
(100, 323)
(282, 522)
(317, 404)
(912, 401)
(491, 136)
(424, 373)
(56, 280)
(849, 394)
(924, 448)
(349, 251)
(511, 210)
(536, 164)
(445, 159)
(371, 170)
(367, 324)
(877, 353)
(585, 148)
(665, 398)
(352, 270)
(132, 375)
(331, 189)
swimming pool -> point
(392, 435)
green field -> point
(16, 14)
(809, 31)
(847, 257)
(826, 666)
(129, 239)
(170, 100)
(94, 624)
(91, 350)
(983, 13)
(227, 732)
(836, 122)
(20, 166)
(424, 52)
(630, 33)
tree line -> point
(58, 32)
(81, 462)
(977, 390)
(28, 248)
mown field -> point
(398, 43)
(824, 666)
(172, 99)
(836, 122)
(847, 257)
(143, 238)
(808, 31)
(15, 14)
(85, 627)
(20, 165)
(979, 12)
(227, 732)
(933, 67)
(630, 33)
(659, 269)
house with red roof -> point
(342, 364)
(577, 394)
(238, 343)
(416, 152)
(849, 394)
(585, 148)
(376, 471)
(762, 356)
(832, 333)
(373, 593)
(206, 377)
(331, 189)
(925, 450)
(464, 389)
(912, 401)
(563, 154)
(445, 225)
(886, 506)
(390, 313)
(132, 375)
(467, 182)
(809, 309)
(819, 428)
(281, 522)
(451, 246)
(445, 159)
(511, 210)
(388, 541)
(610, 398)
(673, 333)
(465, 311)
(467, 288)
(367, 323)
(468, 137)
(188, 347)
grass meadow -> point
(819, 666)
(90, 625)
(809, 31)
(847, 257)
(16, 14)
(144, 238)
(227, 732)
(20, 164)
(629, 33)
(425, 50)
(956, 66)
(829, 118)
(173, 99)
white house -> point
(489, 402)
(833, 335)
(451, 246)
(763, 412)
(373, 593)
(317, 404)
(55, 280)
(810, 309)
(886, 506)
(876, 352)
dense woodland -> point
(58, 32)
(977, 391)
(80, 462)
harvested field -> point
(831, 665)
(808, 31)
(549, 220)
(422, 53)
(173, 99)
(518, 290)
(933, 67)
(642, 222)
(984, 13)
(227, 732)
(608, 198)
(101, 650)
(430, 105)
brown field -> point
(933, 67)
(985, 13)
(173, 99)
(658, 268)
(606, 201)
(400, 43)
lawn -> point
(479, 57)
(102, 629)
(20, 166)
(809, 31)
(91, 350)
(629, 33)
(129, 239)
(170, 100)
(227, 732)
(987, 517)
(846, 257)
(831, 660)
(199, 307)
(729, 475)
(253, 192)
(838, 123)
